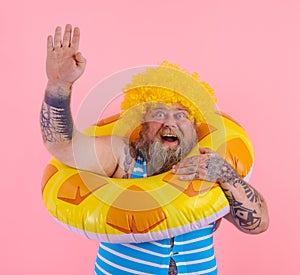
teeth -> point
(170, 136)
(168, 133)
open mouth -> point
(169, 138)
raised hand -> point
(64, 63)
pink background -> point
(247, 50)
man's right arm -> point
(64, 66)
(67, 144)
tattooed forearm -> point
(56, 119)
(251, 193)
(247, 206)
(247, 219)
(217, 169)
(230, 177)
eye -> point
(181, 115)
(159, 115)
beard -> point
(160, 157)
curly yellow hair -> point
(169, 84)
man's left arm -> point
(248, 209)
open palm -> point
(64, 63)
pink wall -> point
(247, 50)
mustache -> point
(160, 158)
(167, 132)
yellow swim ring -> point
(148, 209)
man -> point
(167, 136)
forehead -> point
(166, 107)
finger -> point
(205, 150)
(49, 43)
(57, 37)
(75, 39)
(187, 177)
(192, 161)
(195, 176)
(201, 168)
(186, 163)
(67, 36)
(185, 170)
(80, 60)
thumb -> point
(80, 59)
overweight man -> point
(168, 134)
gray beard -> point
(161, 158)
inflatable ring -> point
(147, 209)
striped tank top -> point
(192, 252)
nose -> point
(169, 122)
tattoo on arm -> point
(246, 218)
(251, 193)
(230, 177)
(128, 160)
(56, 119)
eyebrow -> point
(163, 109)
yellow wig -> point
(170, 85)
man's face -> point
(168, 135)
